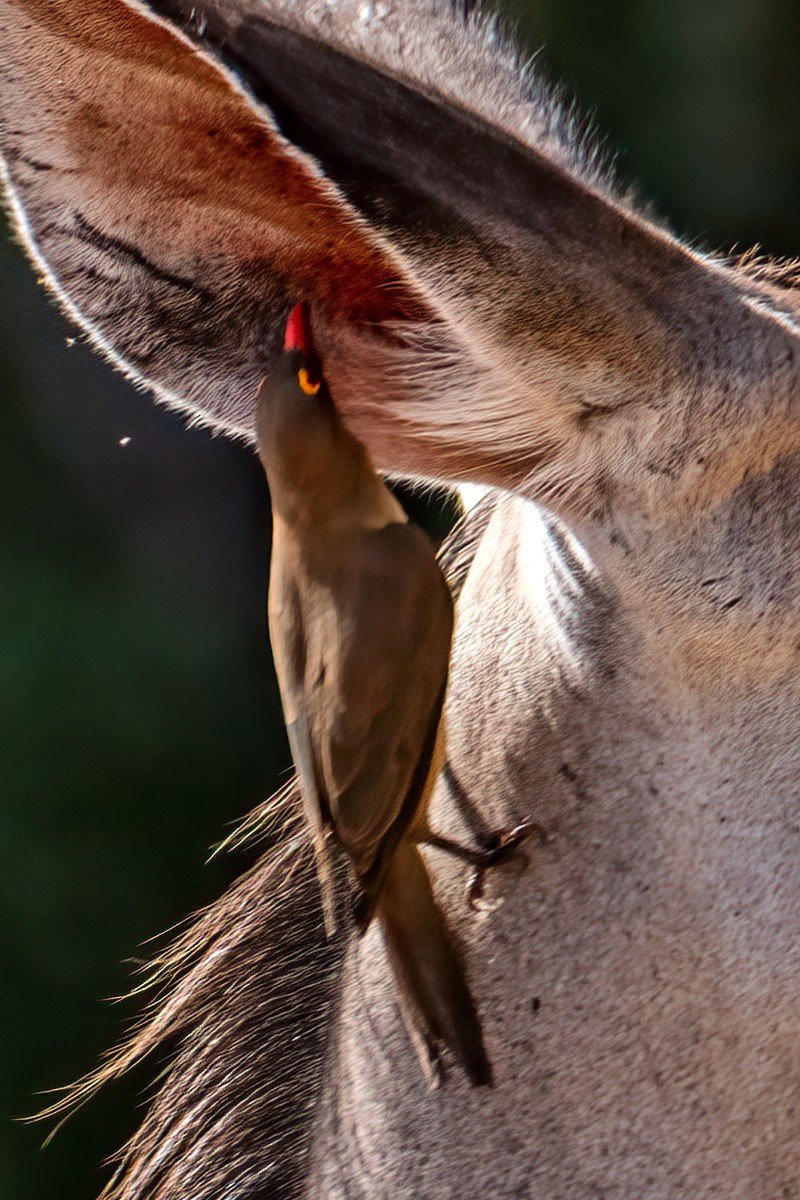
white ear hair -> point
(471, 495)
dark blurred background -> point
(139, 712)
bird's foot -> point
(499, 848)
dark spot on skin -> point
(536, 1004)
(731, 603)
(573, 779)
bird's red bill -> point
(298, 330)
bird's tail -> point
(433, 994)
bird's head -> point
(297, 421)
(307, 452)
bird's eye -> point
(310, 386)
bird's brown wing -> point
(290, 653)
(417, 794)
(314, 809)
(374, 723)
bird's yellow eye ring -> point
(310, 386)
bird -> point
(361, 624)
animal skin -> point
(626, 661)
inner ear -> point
(172, 219)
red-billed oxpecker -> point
(361, 622)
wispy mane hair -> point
(241, 1004)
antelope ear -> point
(498, 221)
(559, 305)
(173, 221)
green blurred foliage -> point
(140, 712)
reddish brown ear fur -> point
(178, 225)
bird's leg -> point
(499, 847)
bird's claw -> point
(501, 847)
